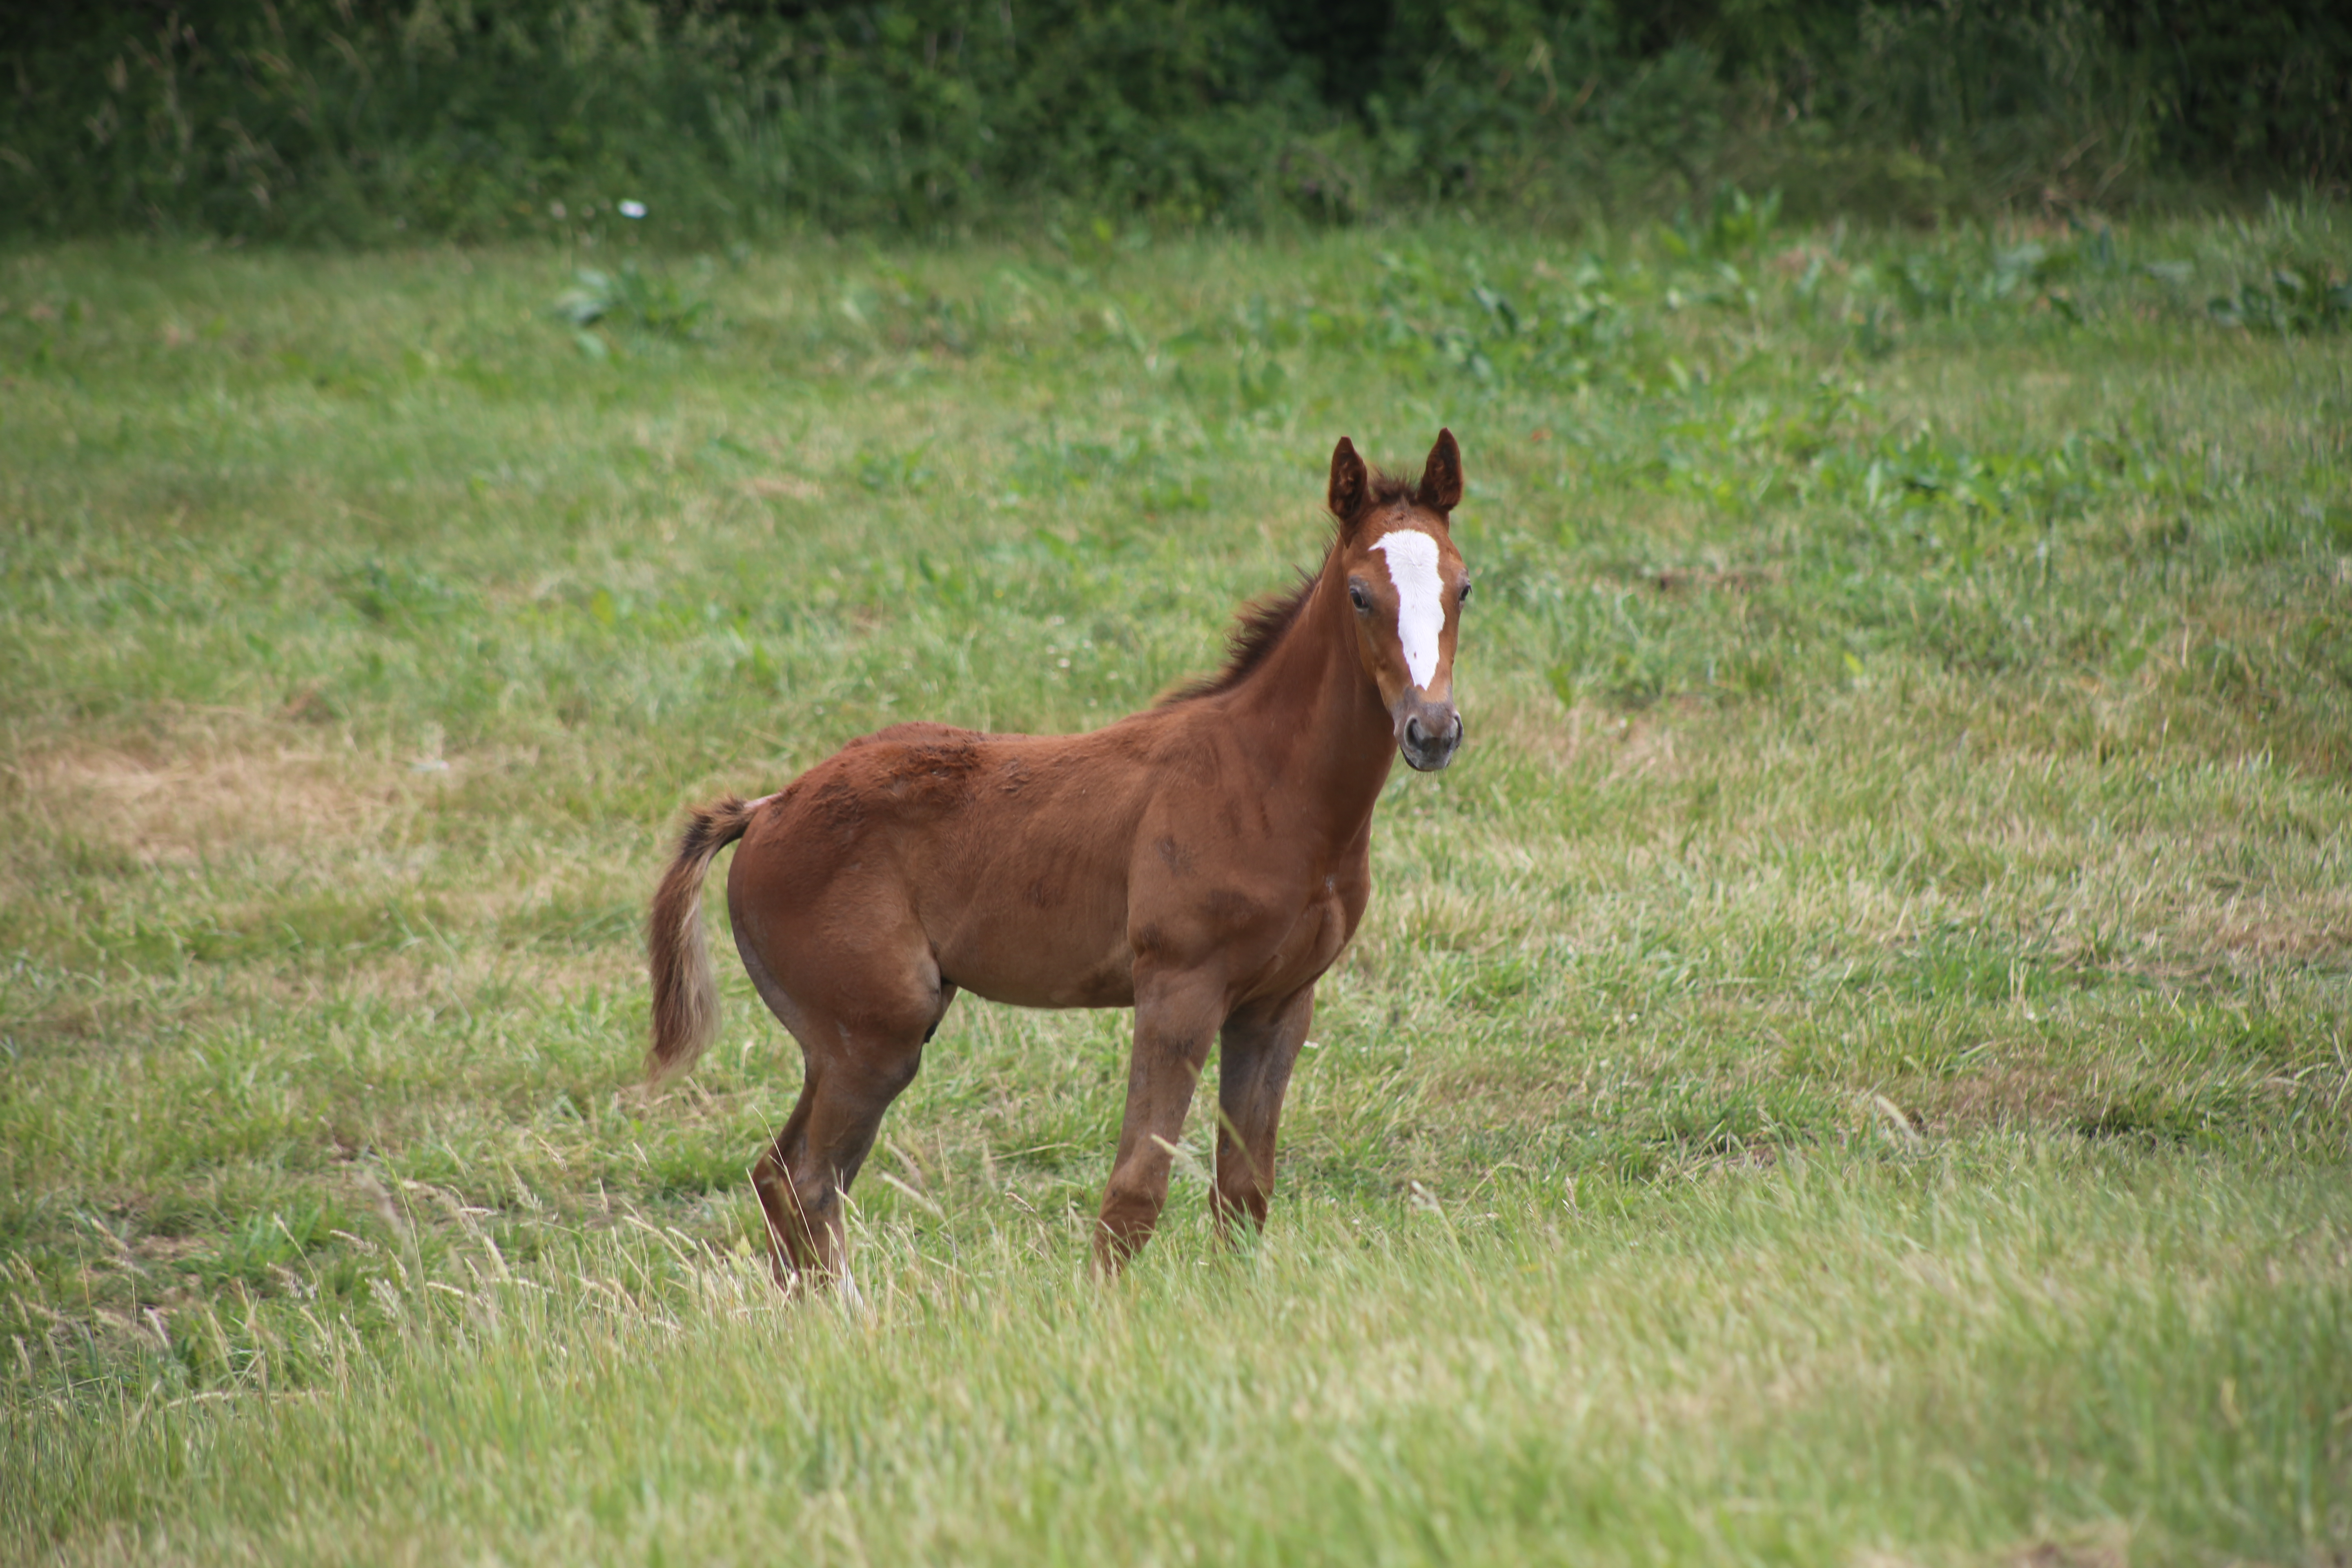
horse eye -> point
(1463, 597)
(1356, 597)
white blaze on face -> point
(1421, 598)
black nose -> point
(1428, 747)
(1419, 735)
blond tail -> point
(686, 997)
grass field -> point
(1854, 1064)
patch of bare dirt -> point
(179, 803)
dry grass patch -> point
(193, 798)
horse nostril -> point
(1412, 732)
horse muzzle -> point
(1428, 734)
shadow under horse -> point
(1204, 862)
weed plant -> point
(1852, 1060)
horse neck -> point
(1320, 728)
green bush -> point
(365, 121)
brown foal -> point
(1204, 862)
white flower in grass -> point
(633, 208)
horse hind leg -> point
(802, 1177)
(791, 1246)
(852, 1074)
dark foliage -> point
(357, 120)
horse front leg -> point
(1258, 1048)
(1175, 1019)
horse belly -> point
(1032, 912)
(1040, 961)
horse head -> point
(1407, 586)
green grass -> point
(1852, 1063)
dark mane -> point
(1259, 629)
(1256, 632)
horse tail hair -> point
(686, 996)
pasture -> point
(1852, 1063)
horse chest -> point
(1312, 941)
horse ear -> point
(1441, 481)
(1349, 483)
